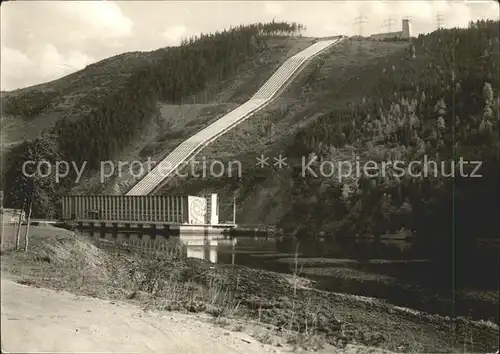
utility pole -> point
(234, 210)
(389, 23)
(1, 219)
(439, 21)
(360, 20)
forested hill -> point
(436, 98)
(95, 113)
(439, 100)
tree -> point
(28, 221)
(488, 101)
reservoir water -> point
(394, 270)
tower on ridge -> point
(406, 31)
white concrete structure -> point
(405, 32)
(197, 210)
(190, 147)
(212, 209)
(148, 209)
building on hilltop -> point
(405, 32)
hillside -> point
(436, 100)
(28, 111)
(106, 110)
(177, 122)
(437, 96)
(331, 81)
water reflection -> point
(216, 248)
(201, 246)
(365, 267)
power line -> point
(439, 21)
(389, 23)
(360, 20)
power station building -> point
(168, 209)
(405, 32)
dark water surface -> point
(394, 270)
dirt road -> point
(42, 320)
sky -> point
(45, 40)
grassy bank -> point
(287, 303)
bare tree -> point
(26, 235)
(19, 223)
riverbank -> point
(401, 282)
(291, 305)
